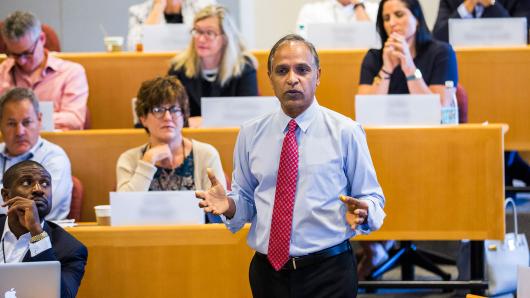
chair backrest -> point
(52, 40)
(77, 199)
(461, 98)
(88, 120)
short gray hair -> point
(20, 23)
(18, 94)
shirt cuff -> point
(462, 11)
(39, 246)
(376, 216)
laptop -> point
(402, 109)
(165, 37)
(155, 208)
(46, 109)
(30, 279)
(355, 35)
(234, 111)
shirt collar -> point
(25, 156)
(52, 63)
(303, 120)
(7, 233)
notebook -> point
(234, 111)
(30, 279)
(155, 208)
(165, 37)
(402, 109)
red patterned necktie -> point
(282, 213)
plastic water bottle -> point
(449, 104)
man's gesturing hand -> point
(356, 212)
(214, 200)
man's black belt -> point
(295, 263)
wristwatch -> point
(359, 3)
(415, 76)
(38, 237)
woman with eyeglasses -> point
(169, 161)
(216, 63)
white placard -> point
(523, 284)
(355, 35)
(234, 111)
(155, 208)
(46, 109)
(165, 37)
(402, 109)
(484, 32)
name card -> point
(234, 111)
(46, 109)
(356, 35)
(486, 32)
(402, 109)
(155, 208)
(165, 37)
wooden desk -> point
(165, 261)
(457, 168)
(94, 153)
(440, 183)
(495, 79)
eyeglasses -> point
(208, 34)
(159, 112)
(26, 54)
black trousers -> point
(333, 277)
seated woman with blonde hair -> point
(169, 161)
(216, 63)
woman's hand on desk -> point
(214, 200)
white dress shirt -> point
(13, 250)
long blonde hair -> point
(234, 55)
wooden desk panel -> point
(171, 261)
(94, 153)
(451, 169)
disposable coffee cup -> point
(113, 43)
(103, 215)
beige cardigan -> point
(134, 174)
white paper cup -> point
(113, 43)
(103, 214)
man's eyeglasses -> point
(26, 54)
(159, 112)
(208, 34)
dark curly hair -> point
(160, 91)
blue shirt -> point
(56, 162)
(333, 160)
